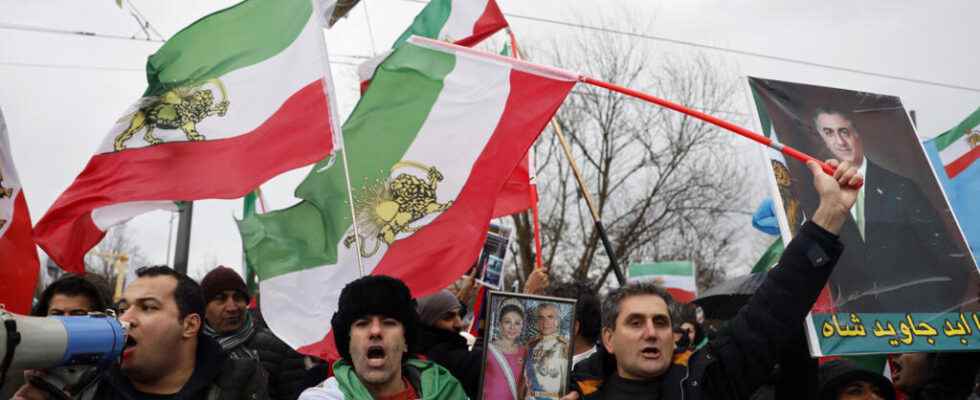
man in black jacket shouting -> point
(636, 359)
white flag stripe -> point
(520, 65)
(8, 178)
(955, 150)
(109, 216)
(463, 15)
(671, 281)
(255, 92)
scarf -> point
(232, 342)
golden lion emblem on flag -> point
(179, 108)
(4, 191)
(973, 137)
(387, 209)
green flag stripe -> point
(376, 135)
(227, 40)
(763, 115)
(949, 137)
(770, 257)
(682, 268)
(429, 22)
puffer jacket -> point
(449, 350)
(215, 377)
(740, 359)
(286, 367)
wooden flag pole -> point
(613, 263)
(567, 150)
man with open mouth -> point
(636, 360)
(166, 355)
(375, 328)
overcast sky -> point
(61, 93)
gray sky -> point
(57, 116)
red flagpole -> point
(787, 150)
(538, 258)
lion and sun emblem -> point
(973, 137)
(387, 209)
(181, 108)
(5, 192)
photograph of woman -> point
(505, 354)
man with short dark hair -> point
(71, 295)
(636, 360)
(440, 323)
(166, 356)
(228, 321)
(374, 329)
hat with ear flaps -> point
(374, 295)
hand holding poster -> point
(906, 280)
(529, 351)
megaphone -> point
(60, 345)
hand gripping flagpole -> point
(567, 150)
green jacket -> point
(431, 382)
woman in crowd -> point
(505, 355)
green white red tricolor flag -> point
(463, 22)
(18, 258)
(676, 276)
(429, 147)
(959, 148)
(234, 99)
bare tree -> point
(116, 241)
(666, 186)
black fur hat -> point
(374, 295)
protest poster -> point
(491, 262)
(529, 347)
(906, 281)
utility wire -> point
(736, 51)
(103, 68)
(69, 66)
(28, 28)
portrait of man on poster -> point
(895, 238)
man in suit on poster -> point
(898, 257)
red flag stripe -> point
(186, 171)
(960, 164)
(491, 21)
(20, 266)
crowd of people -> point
(190, 340)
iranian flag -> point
(18, 257)
(463, 22)
(234, 99)
(959, 148)
(429, 147)
(676, 276)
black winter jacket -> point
(449, 350)
(215, 377)
(742, 356)
(286, 367)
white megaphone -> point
(65, 347)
